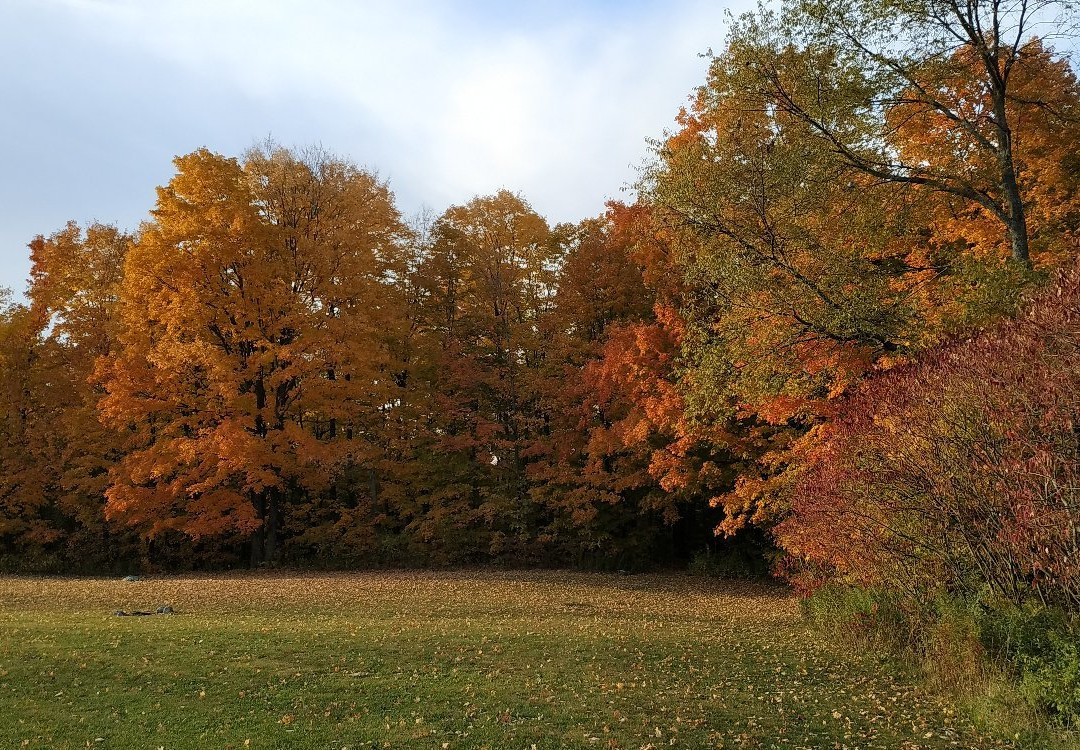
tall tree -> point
(801, 274)
(794, 277)
(55, 452)
(75, 281)
(252, 359)
(27, 483)
(593, 503)
(489, 280)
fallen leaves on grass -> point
(444, 659)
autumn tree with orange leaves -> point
(252, 366)
(589, 464)
(487, 279)
(804, 273)
(55, 454)
(795, 278)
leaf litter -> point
(462, 659)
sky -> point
(445, 100)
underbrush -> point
(1014, 669)
(729, 563)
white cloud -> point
(445, 100)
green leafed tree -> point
(869, 57)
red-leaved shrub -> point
(958, 471)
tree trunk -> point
(1016, 216)
(272, 524)
(373, 488)
(1017, 223)
(258, 551)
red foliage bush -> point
(958, 471)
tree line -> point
(821, 338)
(276, 367)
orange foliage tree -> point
(252, 363)
(487, 281)
(795, 275)
(56, 452)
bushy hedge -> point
(958, 472)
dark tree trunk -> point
(373, 488)
(258, 539)
(272, 524)
(1016, 216)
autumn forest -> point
(833, 338)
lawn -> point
(441, 660)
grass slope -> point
(441, 660)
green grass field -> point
(442, 660)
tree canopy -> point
(277, 367)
